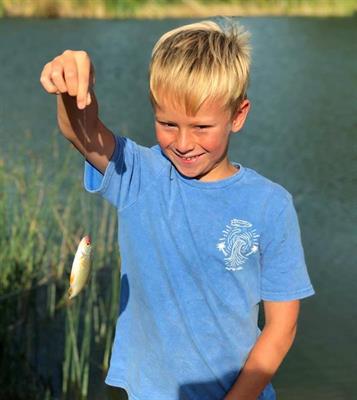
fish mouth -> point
(87, 240)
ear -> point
(240, 115)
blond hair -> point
(199, 62)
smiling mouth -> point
(189, 158)
(192, 158)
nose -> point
(184, 142)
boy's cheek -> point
(162, 138)
(215, 145)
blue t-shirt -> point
(196, 260)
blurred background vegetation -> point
(43, 215)
(172, 8)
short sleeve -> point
(284, 274)
(130, 170)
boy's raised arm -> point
(71, 77)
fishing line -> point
(81, 264)
(87, 207)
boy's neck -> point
(224, 172)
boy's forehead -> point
(168, 104)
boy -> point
(203, 240)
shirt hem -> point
(280, 296)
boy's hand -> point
(71, 76)
(71, 72)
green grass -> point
(44, 212)
(173, 8)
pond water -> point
(301, 133)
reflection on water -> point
(301, 132)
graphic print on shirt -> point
(239, 241)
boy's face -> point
(197, 145)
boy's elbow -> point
(289, 338)
(291, 335)
(283, 337)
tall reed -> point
(44, 211)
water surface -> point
(301, 132)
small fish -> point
(80, 267)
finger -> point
(91, 84)
(84, 70)
(70, 72)
(92, 76)
(46, 80)
(57, 75)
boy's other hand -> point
(71, 72)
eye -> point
(167, 124)
(202, 127)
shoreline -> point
(187, 9)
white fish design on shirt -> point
(239, 241)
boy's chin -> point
(189, 171)
(188, 174)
